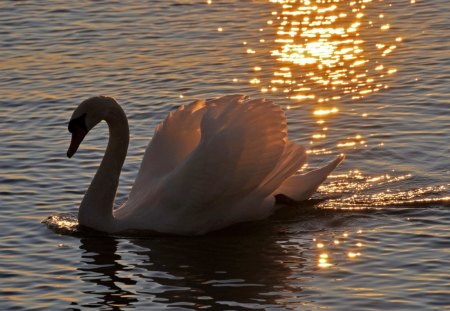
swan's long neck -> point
(96, 209)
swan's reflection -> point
(259, 266)
(102, 267)
(239, 270)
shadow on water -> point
(192, 272)
(241, 267)
(102, 268)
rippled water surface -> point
(366, 78)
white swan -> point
(209, 165)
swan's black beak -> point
(79, 130)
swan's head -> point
(87, 115)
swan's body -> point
(209, 165)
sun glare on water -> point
(322, 53)
(322, 50)
(333, 250)
(325, 52)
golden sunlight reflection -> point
(324, 261)
(359, 192)
(338, 248)
(327, 51)
(321, 52)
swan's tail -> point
(301, 187)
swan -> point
(210, 164)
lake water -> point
(366, 78)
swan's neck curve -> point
(96, 209)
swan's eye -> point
(79, 122)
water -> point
(369, 79)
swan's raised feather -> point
(214, 163)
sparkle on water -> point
(322, 49)
(325, 51)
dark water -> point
(366, 78)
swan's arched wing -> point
(240, 146)
(174, 139)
